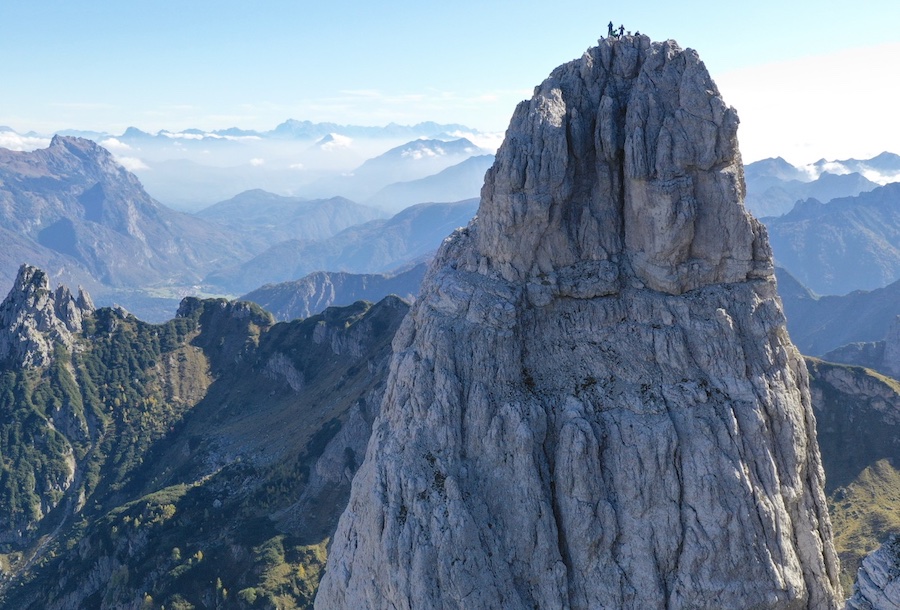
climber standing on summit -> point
(621, 30)
(611, 32)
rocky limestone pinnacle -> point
(594, 403)
(34, 318)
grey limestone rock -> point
(34, 318)
(877, 584)
(594, 402)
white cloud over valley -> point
(132, 164)
(13, 141)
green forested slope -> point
(175, 465)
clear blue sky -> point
(196, 63)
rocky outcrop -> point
(33, 318)
(594, 402)
(877, 584)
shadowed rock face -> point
(594, 402)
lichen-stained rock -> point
(594, 402)
(877, 584)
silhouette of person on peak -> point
(611, 32)
(621, 30)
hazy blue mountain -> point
(190, 186)
(307, 130)
(86, 217)
(775, 186)
(411, 161)
(819, 324)
(317, 291)
(264, 218)
(772, 171)
(886, 163)
(377, 246)
(461, 181)
(192, 169)
(850, 243)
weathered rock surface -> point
(34, 318)
(594, 402)
(878, 580)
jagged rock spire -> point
(594, 402)
(34, 318)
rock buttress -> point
(594, 403)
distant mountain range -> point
(73, 209)
(461, 181)
(377, 246)
(819, 324)
(192, 169)
(849, 243)
(72, 206)
(317, 291)
(774, 185)
(291, 128)
(264, 218)
(411, 161)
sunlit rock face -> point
(33, 318)
(594, 402)
(877, 584)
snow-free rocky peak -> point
(33, 318)
(594, 403)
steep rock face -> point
(594, 402)
(878, 581)
(34, 318)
